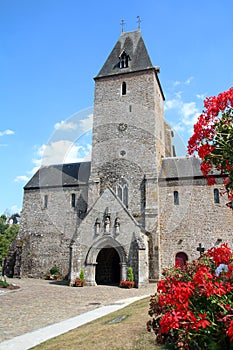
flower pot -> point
(78, 283)
(127, 284)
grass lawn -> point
(129, 334)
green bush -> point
(130, 274)
(82, 275)
(3, 282)
(54, 270)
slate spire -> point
(130, 44)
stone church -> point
(135, 204)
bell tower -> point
(129, 130)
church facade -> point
(135, 204)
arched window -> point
(123, 88)
(122, 192)
(176, 197)
(181, 259)
(216, 196)
(124, 59)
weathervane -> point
(122, 24)
(139, 22)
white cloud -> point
(188, 81)
(187, 113)
(21, 178)
(179, 127)
(86, 124)
(54, 153)
(172, 104)
(65, 126)
(7, 132)
(60, 152)
(201, 96)
(189, 109)
(176, 83)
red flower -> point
(205, 168)
(221, 254)
(210, 180)
(197, 298)
(205, 150)
(202, 322)
(212, 137)
(230, 331)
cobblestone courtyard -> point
(39, 303)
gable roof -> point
(108, 198)
(133, 44)
(60, 175)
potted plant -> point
(129, 283)
(79, 282)
(54, 273)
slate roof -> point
(64, 175)
(74, 174)
(134, 45)
(181, 167)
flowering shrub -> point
(193, 306)
(213, 139)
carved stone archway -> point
(112, 249)
(108, 267)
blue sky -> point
(52, 49)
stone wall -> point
(196, 219)
(128, 125)
(45, 233)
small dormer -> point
(124, 59)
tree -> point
(3, 224)
(7, 234)
(213, 140)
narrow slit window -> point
(125, 196)
(73, 200)
(176, 197)
(46, 201)
(123, 88)
(216, 196)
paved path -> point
(40, 303)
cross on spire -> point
(139, 22)
(200, 249)
(122, 25)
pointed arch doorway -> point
(108, 267)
